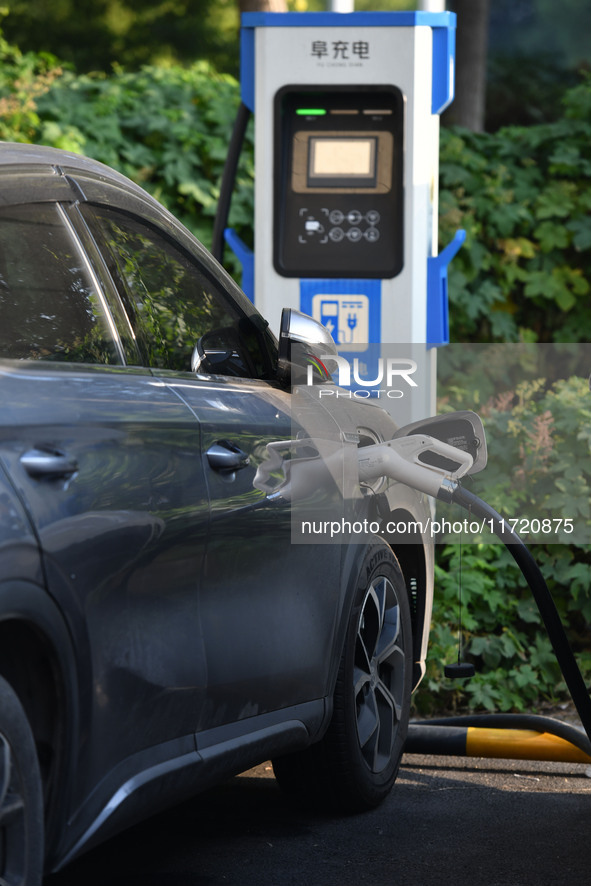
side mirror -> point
(463, 429)
(302, 340)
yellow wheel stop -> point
(521, 744)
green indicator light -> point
(306, 112)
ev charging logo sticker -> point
(346, 317)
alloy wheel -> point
(12, 820)
(378, 673)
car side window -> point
(49, 306)
(174, 304)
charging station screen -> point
(338, 181)
(342, 160)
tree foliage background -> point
(523, 193)
(98, 34)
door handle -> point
(51, 464)
(226, 457)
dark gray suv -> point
(159, 629)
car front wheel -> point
(356, 763)
(21, 804)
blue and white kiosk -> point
(347, 110)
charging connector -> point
(419, 461)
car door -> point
(106, 459)
(268, 608)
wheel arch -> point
(337, 768)
(37, 660)
(415, 556)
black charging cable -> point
(541, 593)
(228, 180)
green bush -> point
(101, 33)
(523, 195)
(24, 76)
(539, 437)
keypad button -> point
(372, 216)
(354, 217)
(371, 235)
(354, 235)
(336, 234)
(336, 217)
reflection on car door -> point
(107, 460)
(267, 607)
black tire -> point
(356, 763)
(21, 796)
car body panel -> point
(123, 543)
(20, 556)
(255, 582)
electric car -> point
(160, 628)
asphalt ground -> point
(449, 820)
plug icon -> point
(351, 323)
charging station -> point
(346, 110)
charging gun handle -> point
(399, 459)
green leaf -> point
(581, 228)
(551, 236)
